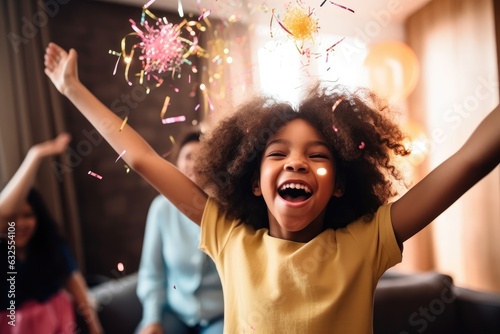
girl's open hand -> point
(60, 66)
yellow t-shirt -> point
(276, 286)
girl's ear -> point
(256, 186)
(339, 187)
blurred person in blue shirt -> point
(178, 284)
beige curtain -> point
(30, 110)
(455, 42)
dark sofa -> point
(404, 304)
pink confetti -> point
(204, 15)
(162, 47)
(362, 145)
(281, 24)
(95, 175)
(121, 155)
(175, 88)
(150, 2)
(215, 59)
(197, 107)
(334, 45)
(335, 129)
(210, 103)
(137, 30)
(175, 119)
(338, 5)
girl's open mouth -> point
(294, 192)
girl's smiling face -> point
(297, 180)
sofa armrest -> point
(118, 306)
(415, 303)
(479, 311)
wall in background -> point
(113, 209)
(456, 44)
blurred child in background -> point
(40, 285)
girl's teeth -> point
(295, 186)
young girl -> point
(39, 270)
(299, 224)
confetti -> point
(123, 123)
(119, 55)
(95, 175)
(204, 15)
(300, 24)
(149, 3)
(175, 119)
(338, 5)
(210, 104)
(127, 168)
(175, 88)
(165, 107)
(161, 48)
(337, 103)
(120, 267)
(362, 145)
(281, 24)
(121, 155)
(334, 45)
(180, 9)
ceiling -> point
(331, 18)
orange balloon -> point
(393, 70)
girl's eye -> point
(276, 154)
(319, 155)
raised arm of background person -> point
(61, 68)
(16, 191)
(152, 276)
(77, 288)
(450, 180)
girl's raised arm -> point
(450, 180)
(61, 68)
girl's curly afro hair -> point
(356, 126)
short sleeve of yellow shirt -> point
(273, 285)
